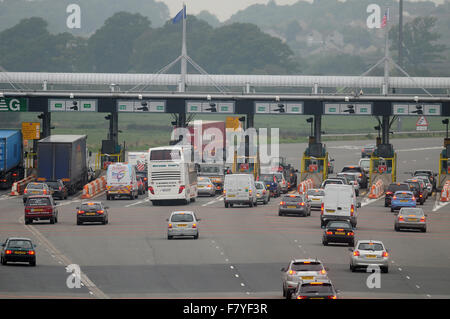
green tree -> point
(111, 46)
(420, 45)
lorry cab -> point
(239, 189)
(121, 181)
(339, 203)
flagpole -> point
(182, 87)
(386, 56)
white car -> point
(182, 223)
(367, 253)
(365, 164)
(315, 197)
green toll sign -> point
(13, 104)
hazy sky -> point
(223, 9)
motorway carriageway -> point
(240, 250)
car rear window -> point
(53, 184)
(94, 206)
(182, 218)
(26, 244)
(371, 246)
(35, 186)
(338, 225)
(316, 193)
(412, 211)
(348, 176)
(267, 178)
(403, 195)
(306, 266)
(352, 169)
(396, 187)
(293, 199)
(414, 185)
(40, 201)
(311, 288)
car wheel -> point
(280, 214)
(324, 242)
(351, 244)
(108, 197)
(288, 294)
(396, 228)
(27, 221)
(56, 220)
(104, 221)
(4, 262)
(392, 210)
(424, 230)
(421, 202)
(196, 236)
(255, 204)
(250, 204)
(33, 263)
(265, 202)
(386, 205)
(352, 268)
(169, 237)
(231, 205)
(226, 205)
(284, 292)
(52, 220)
(79, 222)
(384, 270)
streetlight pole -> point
(400, 33)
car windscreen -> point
(311, 288)
(403, 195)
(412, 211)
(92, 207)
(316, 193)
(182, 218)
(370, 246)
(38, 201)
(25, 244)
(165, 155)
(338, 224)
(35, 186)
(395, 187)
(306, 266)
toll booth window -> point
(165, 155)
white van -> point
(339, 203)
(121, 181)
(239, 189)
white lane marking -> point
(407, 277)
(438, 205)
(215, 200)
(429, 296)
(138, 202)
(417, 286)
(226, 259)
(400, 269)
(370, 201)
(231, 267)
(236, 275)
(242, 284)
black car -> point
(392, 188)
(92, 212)
(59, 189)
(18, 250)
(418, 190)
(339, 232)
(364, 180)
(315, 290)
(294, 204)
(272, 184)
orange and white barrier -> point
(19, 186)
(445, 193)
(377, 189)
(94, 188)
(305, 185)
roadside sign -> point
(31, 130)
(13, 104)
(62, 105)
(153, 106)
(422, 124)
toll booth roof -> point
(62, 138)
(7, 133)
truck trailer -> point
(11, 158)
(63, 157)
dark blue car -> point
(272, 183)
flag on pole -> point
(385, 18)
(180, 15)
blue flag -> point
(180, 15)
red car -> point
(41, 207)
(141, 186)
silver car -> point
(367, 253)
(353, 179)
(182, 223)
(301, 270)
(205, 186)
(412, 218)
(427, 182)
(315, 197)
(262, 194)
(33, 189)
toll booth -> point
(384, 169)
(315, 168)
(246, 165)
(444, 164)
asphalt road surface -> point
(239, 252)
